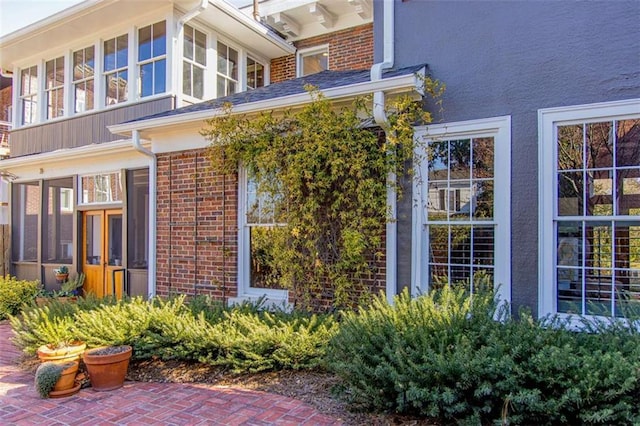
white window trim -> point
(239, 81)
(193, 63)
(310, 51)
(152, 60)
(80, 194)
(548, 119)
(245, 291)
(500, 129)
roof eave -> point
(391, 85)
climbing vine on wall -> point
(327, 173)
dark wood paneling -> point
(83, 130)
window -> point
(461, 211)
(311, 61)
(259, 225)
(194, 63)
(29, 95)
(83, 83)
(54, 88)
(255, 74)
(227, 81)
(102, 188)
(26, 209)
(138, 218)
(152, 63)
(57, 226)
(116, 77)
(590, 208)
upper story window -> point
(83, 83)
(311, 61)
(54, 89)
(590, 209)
(116, 75)
(194, 62)
(152, 62)
(227, 70)
(255, 74)
(29, 95)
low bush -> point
(14, 294)
(242, 338)
(444, 356)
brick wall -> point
(350, 49)
(5, 103)
(197, 243)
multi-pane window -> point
(589, 228)
(194, 62)
(152, 62)
(227, 75)
(29, 95)
(83, 82)
(460, 203)
(255, 74)
(461, 207)
(313, 61)
(598, 216)
(102, 188)
(116, 76)
(54, 87)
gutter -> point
(381, 119)
(153, 171)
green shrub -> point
(14, 294)
(443, 356)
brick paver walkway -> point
(143, 403)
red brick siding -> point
(5, 103)
(196, 227)
(350, 49)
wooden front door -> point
(102, 252)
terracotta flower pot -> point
(107, 366)
(67, 379)
(71, 352)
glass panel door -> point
(93, 238)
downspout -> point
(153, 192)
(179, 33)
(380, 117)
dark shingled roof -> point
(322, 80)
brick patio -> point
(140, 403)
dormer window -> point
(116, 61)
(152, 59)
(313, 60)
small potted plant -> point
(107, 366)
(62, 273)
(54, 380)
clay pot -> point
(71, 352)
(67, 379)
(107, 366)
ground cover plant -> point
(444, 356)
(14, 293)
(241, 339)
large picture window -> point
(461, 209)
(593, 193)
(152, 62)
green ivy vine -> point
(328, 175)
